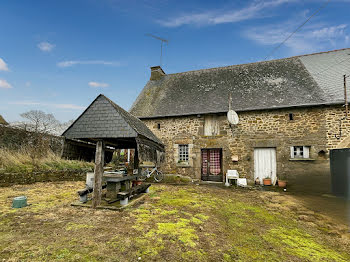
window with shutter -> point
(211, 126)
(300, 151)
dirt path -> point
(336, 208)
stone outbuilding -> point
(291, 113)
(105, 124)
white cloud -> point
(330, 32)
(68, 106)
(311, 38)
(98, 84)
(61, 106)
(46, 46)
(25, 103)
(252, 11)
(3, 65)
(87, 62)
(28, 84)
(4, 84)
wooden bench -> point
(88, 190)
(131, 192)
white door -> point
(265, 163)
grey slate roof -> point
(328, 69)
(288, 82)
(105, 119)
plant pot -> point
(282, 183)
(136, 183)
(267, 181)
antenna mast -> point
(162, 40)
(230, 101)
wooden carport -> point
(104, 123)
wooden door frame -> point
(220, 175)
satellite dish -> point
(232, 117)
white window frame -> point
(183, 153)
(300, 152)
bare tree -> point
(63, 127)
(39, 127)
(39, 122)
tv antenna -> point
(162, 40)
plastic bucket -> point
(19, 202)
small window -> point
(183, 153)
(158, 126)
(291, 116)
(300, 152)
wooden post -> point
(136, 161)
(99, 163)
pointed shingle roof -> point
(103, 119)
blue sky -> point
(58, 55)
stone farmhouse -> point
(291, 113)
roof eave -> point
(246, 110)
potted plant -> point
(267, 181)
(282, 182)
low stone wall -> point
(8, 179)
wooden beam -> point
(137, 161)
(99, 163)
(145, 141)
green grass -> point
(173, 223)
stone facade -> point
(315, 127)
(338, 128)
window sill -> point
(302, 159)
(213, 136)
(183, 164)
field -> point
(172, 223)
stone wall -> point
(314, 127)
(338, 127)
(8, 179)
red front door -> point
(212, 165)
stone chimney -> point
(156, 73)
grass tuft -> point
(12, 161)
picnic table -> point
(119, 187)
(117, 182)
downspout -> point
(346, 104)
